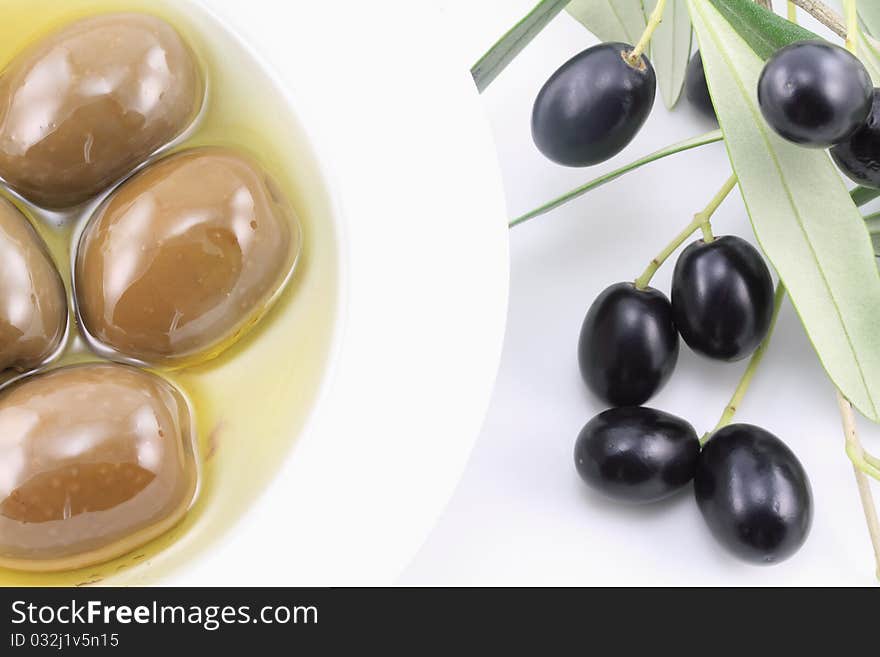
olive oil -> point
(253, 400)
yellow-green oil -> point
(252, 401)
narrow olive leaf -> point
(802, 215)
(872, 221)
(611, 20)
(680, 147)
(511, 44)
(868, 50)
(869, 12)
(671, 50)
(763, 30)
(864, 195)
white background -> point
(521, 515)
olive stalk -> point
(746, 380)
(854, 448)
(706, 228)
(864, 465)
(701, 221)
(824, 14)
(634, 57)
(792, 12)
(645, 279)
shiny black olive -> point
(859, 156)
(628, 344)
(593, 106)
(636, 454)
(722, 298)
(696, 89)
(754, 494)
(815, 93)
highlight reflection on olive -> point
(87, 104)
(95, 460)
(33, 303)
(184, 257)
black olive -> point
(859, 156)
(628, 344)
(593, 106)
(722, 298)
(697, 89)
(815, 93)
(754, 494)
(637, 454)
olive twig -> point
(824, 14)
(634, 57)
(701, 221)
(853, 450)
(852, 26)
(744, 382)
(864, 461)
(645, 279)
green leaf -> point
(625, 20)
(511, 44)
(872, 221)
(869, 12)
(864, 195)
(671, 50)
(680, 147)
(802, 215)
(869, 53)
(763, 30)
(611, 20)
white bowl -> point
(404, 147)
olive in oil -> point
(252, 401)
